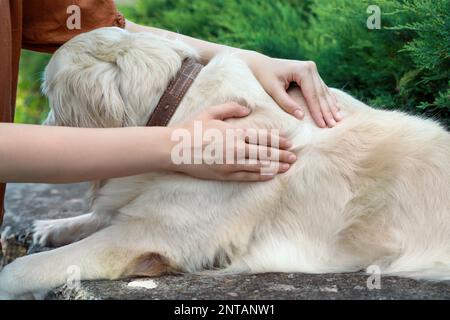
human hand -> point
(248, 159)
(276, 75)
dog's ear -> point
(149, 265)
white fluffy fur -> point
(372, 190)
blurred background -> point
(404, 65)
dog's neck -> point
(174, 93)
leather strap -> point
(174, 93)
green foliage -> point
(272, 27)
(430, 52)
(404, 65)
(31, 105)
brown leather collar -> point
(174, 93)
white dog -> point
(374, 190)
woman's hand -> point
(276, 75)
(247, 162)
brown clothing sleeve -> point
(47, 24)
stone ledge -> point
(26, 202)
(257, 287)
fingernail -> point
(299, 114)
(285, 166)
(288, 144)
(292, 158)
(332, 122)
(339, 115)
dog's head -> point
(110, 77)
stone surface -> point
(24, 203)
(27, 202)
(259, 287)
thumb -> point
(287, 103)
(226, 111)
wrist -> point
(253, 59)
(163, 148)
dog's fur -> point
(371, 191)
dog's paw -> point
(44, 231)
(57, 232)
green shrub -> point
(404, 65)
(31, 105)
(272, 27)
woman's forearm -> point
(207, 50)
(64, 155)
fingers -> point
(258, 152)
(310, 93)
(260, 160)
(321, 102)
(262, 157)
(325, 108)
(287, 103)
(267, 138)
(226, 111)
(316, 110)
(335, 108)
